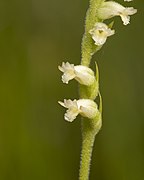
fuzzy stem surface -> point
(88, 128)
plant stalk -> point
(89, 128)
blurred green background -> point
(35, 141)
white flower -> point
(85, 107)
(100, 32)
(110, 9)
(82, 74)
(128, 0)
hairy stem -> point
(87, 144)
(88, 47)
(89, 129)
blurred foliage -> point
(35, 142)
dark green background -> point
(35, 141)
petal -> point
(61, 68)
(84, 75)
(62, 104)
(71, 103)
(88, 112)
(67, 76)
(68, 72)
(87, 107)
(99, 40)
(110, 32)
(129, 11)
(71, 114)
(125, 19)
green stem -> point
(88, 46)
(89, 128)
(87, 144)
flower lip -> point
(100, 32)
(68, 72)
